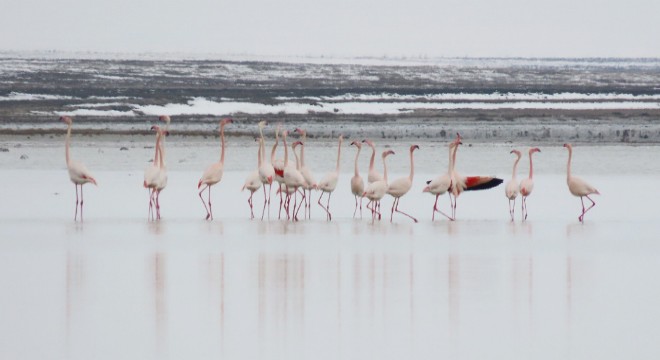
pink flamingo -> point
(401, 186)
(253, 181)
(373, 175)
(78, 173)
(579, 187)
(468, 183)
(307, 174)
(213, 174)
(513, 186)
(357, 184)
(527, 185)
(376, 190)
(161, 179)
(266, 170)
(278, 166)
(329, 182)
(151, 172)
(443, 184)
(293, 180)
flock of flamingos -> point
(295, 179)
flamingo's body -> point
(443, 184)
(468, 183)
(376, 190)
(329, 182)
(579, 187)
(512, 187)
(357, 183)
(213, 174)
(527, 185)
(253, 181)
(78, 173)
(401, 186)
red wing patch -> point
(279, 172)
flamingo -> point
(253, 181)
(513, 186)
(357, 184)
(213, 174)
(278, 166)
(166, 119)
(266, 170)
(292, 178)
(78, 173)
(401, 186)
(307, 174)
(579, 187)
(373, 174)
(443, 184)
(161, 179)
(329, 182)
(151, 172)
(527, 185)
(298, 167)
(468, 183)
(377, 189)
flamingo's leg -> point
(401, 212)
(204, 202)
(75, 215)
(81, 202)
(321, 205)
(593, 203)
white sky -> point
(501, 28)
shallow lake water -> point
(119, 286)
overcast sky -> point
(501, 28)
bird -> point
(213, 174)
(253, 180)
(307, 174)
(527, 185)
(278, 166)
(579, 187)
(161, 178)
(166, 119)
(357, 183)
(266, 170)
(373, 175)
(293, 180)
(78, 173)
(329, 182)
(401, 186)
(151, 172)
(512, 187)
(377, 189)
(468, 183)
(442, 184)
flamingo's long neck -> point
(515, 167)
(412, 165)
(260, 153)
(302, 149)
(357, 172)
(298, 163)
(385, 169)
(531, 166)
(67, 144)
(453, 159)
(161, 151)
(272, 153)
(157, 152)
(568, 166)
(222, 141)
(373, 158)
(286, 151)
(338, 154)
(262, 144)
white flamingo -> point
(293, 180)
(579, 187)
(512, 187)
(527, 185)
(357, 183)
(151, 172)
(377, 189)
(373, 175)
(266, 170)
(401, 186)
(278, 166)
(161, 178)
(329, 182)
(213, 174)
(442, 184)
(307, 174)
(78, 173)
(253, 180)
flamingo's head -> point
(155, 128)
(387, 153)
(516, 152)
(226, 121)
(300, 131)
(534, 150)
(414, 147)
(296, 144)
(67, 120)
(357, 144)
(165, 119)
(568, 146)
(262, 124)
(166, 133)
(368, 142)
